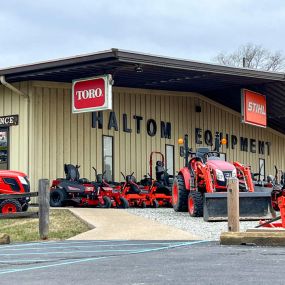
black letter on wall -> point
(198, 136)
(125, 124)
(97, 117)
(268, 147)
(261, 147)
(165, 130)
(243, 144)
(208, 137)
(112, 121)
(252, 146)
(138, 123)
(234, 141)
(151, 127)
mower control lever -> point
(123, 175)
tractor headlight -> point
(234, 173)
(220, 175)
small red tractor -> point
(137, 195)
(13, 182)
(109, 190)
(200, 187)
(76, 192)
(160, 187)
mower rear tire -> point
(143, 205)
(124, 203)
(10, 206)
(195, 204)
(107, 202)
(57, 197)
(179, 195)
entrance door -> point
(4, 148)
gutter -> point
(13, 88)
(27, 97)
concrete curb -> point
(259, 238)
(91, 226)
(4, 239)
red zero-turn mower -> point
(200, 187)
(13, 182)
(110, 191)
(75, 191)
(160, 188)
(137, 195)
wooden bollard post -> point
(44, 197)
(233, 204)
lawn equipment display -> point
(200, 187)
(75, 191)
(137, 195)
(110, 191)
(278, 200)
(160, 187)
(14, 182)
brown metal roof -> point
(220, 83)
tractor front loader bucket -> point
(252, 206)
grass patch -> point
(63, 225)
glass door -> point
(4, 148)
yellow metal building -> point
(156, 100)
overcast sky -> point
(35, 30)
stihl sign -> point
(253, 108)
(92, 94)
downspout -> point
(27, 97)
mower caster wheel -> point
(143, 205)
(124, 203)
(155, 204)
(25, 207)
(107, 202)
(10, 206)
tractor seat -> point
(159, 170)
(201, 152)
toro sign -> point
(92, 94)
(253, 108)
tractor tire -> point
(195, 204)
(107, 202)
(10, 206)
(57, 197)
(124, 203)
(179, 195)
(155, 204)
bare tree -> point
(253, 56)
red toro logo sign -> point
(92, 94)
(253, 108)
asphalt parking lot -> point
(139, 262)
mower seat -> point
(71, 172)
(83, 181)
(159, 170)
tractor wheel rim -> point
(9, 208)
(191, 205)
(175, 193)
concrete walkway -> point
(117, 224)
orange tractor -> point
(200, 187)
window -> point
(261, 169)
(13, 184)
(4, 148)
(169, 150)
(108, 157)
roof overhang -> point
(220, 83)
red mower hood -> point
(220, 164)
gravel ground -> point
(182, 220)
